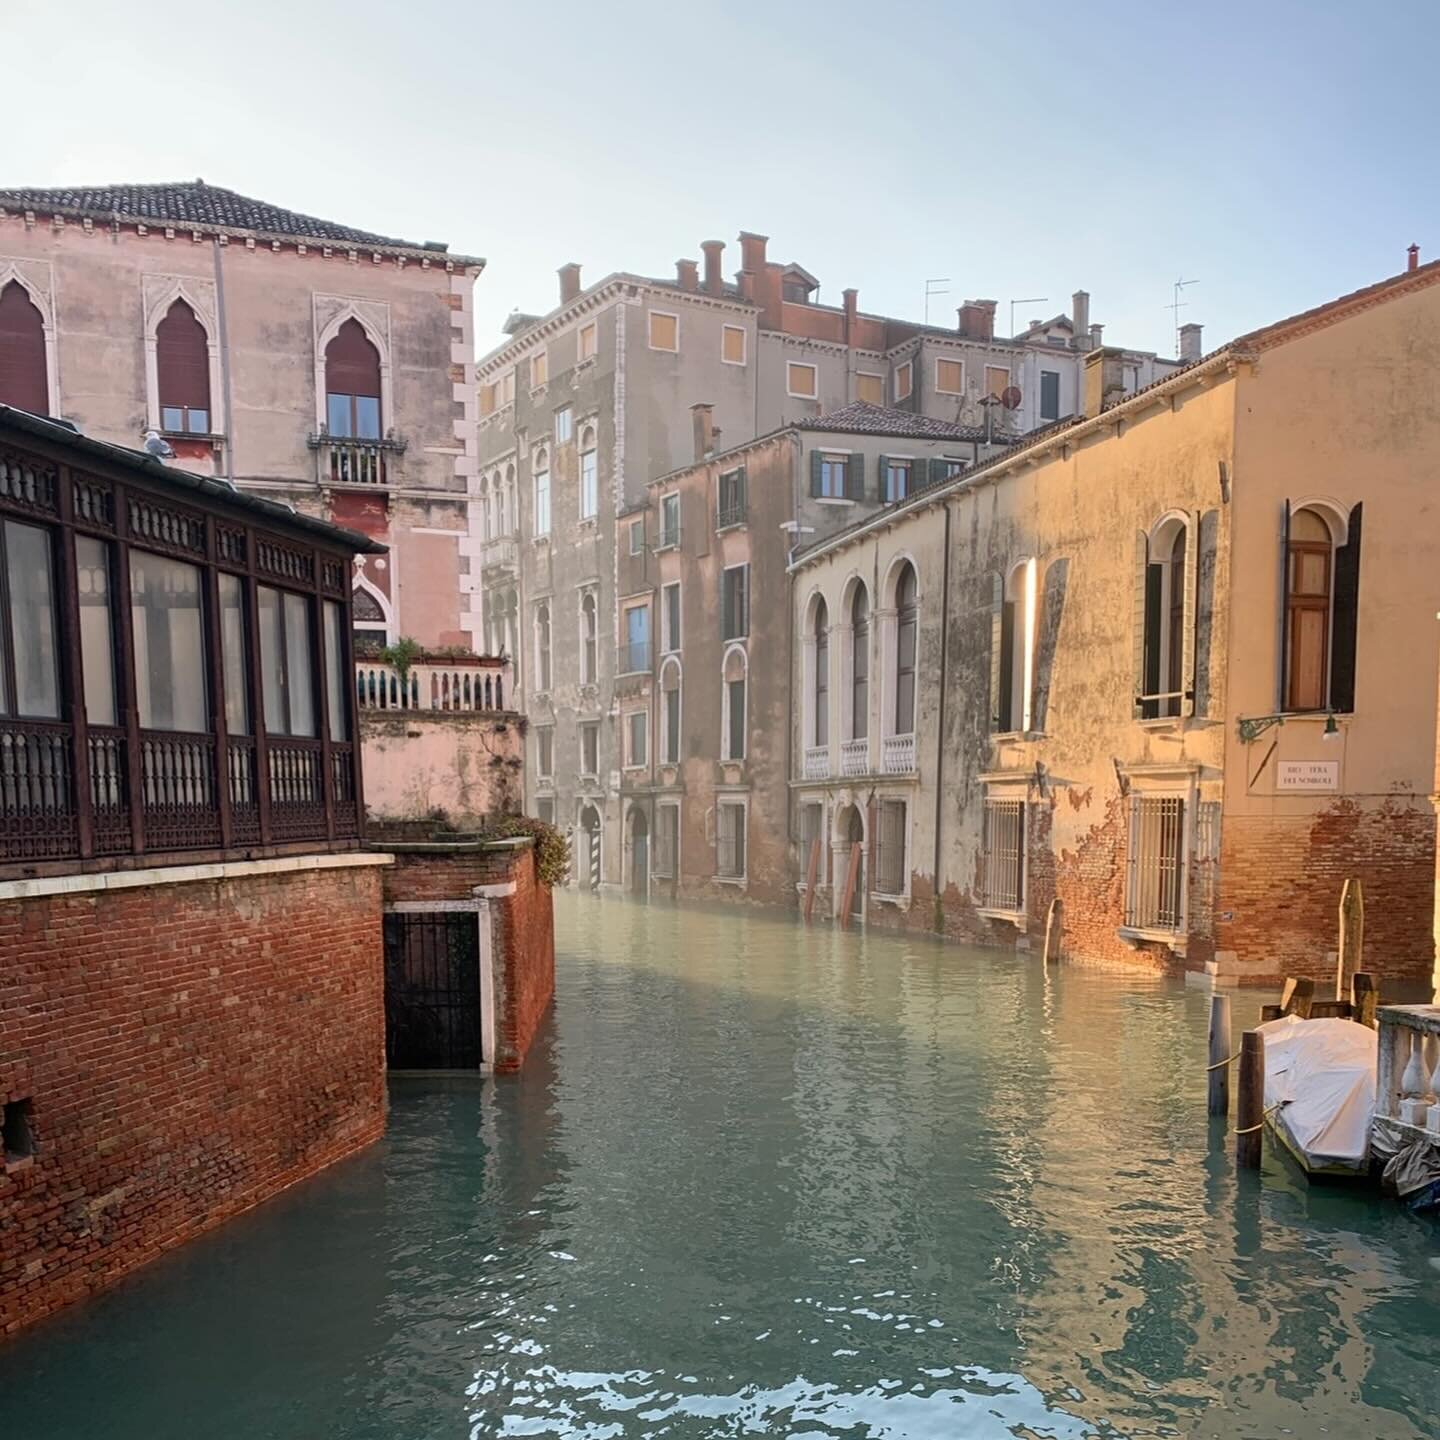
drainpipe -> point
(940, 726)
(229, 451)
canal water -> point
(759, 1180)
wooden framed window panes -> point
(182, 371)
(30, 677)
(167, 622)
(97, 629)
(870, 389)
(904, 380)
(336, 690)
(286, 662)
(732, 345)
(352, 384)
(664, 331)
(588, 343)
(539, 370)
(802, 381)
(997, 380)
(233, 651)
(949, 377)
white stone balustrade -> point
(817, 762)
(897, 755)
(459, 684)
(1407, 1088)
(855, 757)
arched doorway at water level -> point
(587, 870)
(848, 849)
(639, 848)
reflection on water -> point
(764, 1180)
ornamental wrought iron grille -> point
(432, 990)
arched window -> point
(859, 663)
(352, 384)
(484, 499)
(733, 721)
(1322, 592)
(821, 726)
(589, 475)
(1165, 650)
(542, 492)
(670, 712)
(23, 381)
(588, 636)
(907, 620)
(182, 371)
(368, 619)
(1012, 654)
(542, 647)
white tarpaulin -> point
(1324, 1072)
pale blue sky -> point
(1281, 153)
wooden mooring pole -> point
(1350, 955)
(1054, 918)
(1250, 1101)
(1217, 1100)
(1364, 997)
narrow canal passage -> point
(759, 1179)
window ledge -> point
(833, 500)
(898, 902)
(20, 1165)
(739, 881)
(1017, 918)
(210, 437)
(588, 522)
(584, 364)
(538, 391)
(1163, 724)
(1133, 935)
(733, 525)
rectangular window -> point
(29, 568)
(507, 387)
(637, 537)
(949, 377)
(488, 399)
(336, 688)
(735, 602)
(735, 719)
(588, 343)
(97, 629)
(637, 737)
(812, 833)
(1155, 898)
(167, 622)
(904, 380)
(802, 381)
(235, 670)
(589, 484)
(178, 420)
(545, 809)
(997, 380)
(898, 475)
(834, 476)
(664, 331)
(870, 388)
(891, 830)
(1003, 847)
(636, 654)
(732, 345)
(1049, 394)
(590, 748)
(667, 842)
(542, 501)
(669, 521)
(730, 841)
(672, 725)
(545, 751)
(670, 618)
(539, 369)
(564, 425)
(286, 662)
(730, 499)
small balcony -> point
(438, 683)
(500, 552)
(855, 757)
(635, 658)
(817, 762)
(897, 755)
(669, 538)
(730, 515)
(363, 464)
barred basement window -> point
(667, 841)
(730, 841)
(890, 848)
(1004, 855)
(1155, 898)
(19, 1134)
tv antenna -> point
(1176, 305)
(930, 291)
(1033, 300)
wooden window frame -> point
(650, 317)
(790, 390)
(744, 335)
(940, 363)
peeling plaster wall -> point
(419, 761)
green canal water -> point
(758, 1180)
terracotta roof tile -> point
(863, 419)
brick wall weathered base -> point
(190, 1049)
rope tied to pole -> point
(1265, 1115)
(1221, 1064)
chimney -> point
(852, 301)
(977, 320)
(747, 285)
(1190, 348)
(752, 252)
(987, 318)
(703, 416)
(1096, 331)
(1104, 378)
(1080, 318)
(569, 282)
(688, 274)
(714, 280)
(1414, 253)
(967, 322)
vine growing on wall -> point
(552, 850)
(402, 655)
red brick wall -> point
(1281, 877)
(190, 1050)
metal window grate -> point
(667, 842)
(890, 848)
(730, 842)
(1156, 892)
(1004, 855)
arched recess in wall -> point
(27, 346)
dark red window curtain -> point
(182, 360)
(22, 352)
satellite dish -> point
(1010, 397)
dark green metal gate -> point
(432, 991)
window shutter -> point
(855, 476)
(1284, 676)
(997, 644)
(741, 499)
(1347, 615)
(182, 359)
(816, 461)
(881, 466)
(23, 381)
(1192, 591)
(1141, 586)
